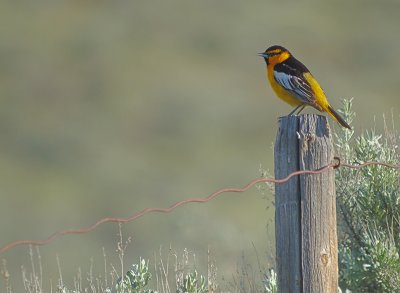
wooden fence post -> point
(305, 207)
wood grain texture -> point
(287, 207)
(306, 241)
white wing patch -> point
(296, 85)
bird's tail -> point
(337, 117)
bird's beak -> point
(265, 55)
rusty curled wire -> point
(213, 195)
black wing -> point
(289, 75)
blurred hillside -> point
(108, 107)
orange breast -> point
(280, 91)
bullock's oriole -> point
(294, 83)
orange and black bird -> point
(293, 83)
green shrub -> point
(368, 205)
(135, 280)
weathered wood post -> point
(305, 207)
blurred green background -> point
(109, 107)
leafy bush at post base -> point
(368, 204)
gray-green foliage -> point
(270, 282)
(368, 203)
(192, 284)
(135, 280)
